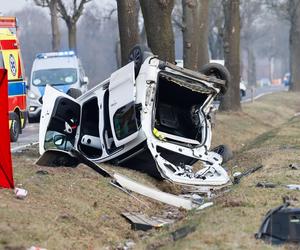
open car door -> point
(122, 111)
(60, 118)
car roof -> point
(55, 63)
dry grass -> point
(78, 209)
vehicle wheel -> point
(136, 54)
(15, 127)
(75, 93)
(224, 151)
(219, 71)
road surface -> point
(29, 136)
(31, 132)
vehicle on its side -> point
(62, 70)
(11, 59)
(146, 108)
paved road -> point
(30, 135)
(31, 132)
(258, 92)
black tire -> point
(224, 151)
(137, 54)
(75, 93)
(219, 71)
(15, 127)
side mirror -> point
(59, 140)
(85, 80)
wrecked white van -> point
(157, 108)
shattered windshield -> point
(61, 76)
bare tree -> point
(231, 100)
(195, 33)
(158, 25)
(290, 11)
(71, 14)
(250, 12)
(52, 5)
(216, 29)
(128, 26)
(203, 56)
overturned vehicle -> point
(148, 109)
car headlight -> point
(31, 95)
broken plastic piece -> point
(182, 232)
(237, 177)
(21, 193)
(265, 185)
(293, 186)
(295, 166)
(143, 222)
(158, 195)
(280, 225)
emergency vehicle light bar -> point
(55, 54)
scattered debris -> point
(182, 232)
(231, 202)
(42, 172)
(36, 248)
(143, 222)
(294, 166)
(293, 186)
(265, 185)
(205, 205)
(21, 193)
(280, 225)
(238, 176)
(155, 194)
(297, 114)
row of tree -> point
(194, 19)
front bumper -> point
(34, 108)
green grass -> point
(78, 209)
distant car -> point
(62, 70)
(148, 107)
(287, 79)
(264, 82)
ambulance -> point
(10, 59)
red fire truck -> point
(10, 58)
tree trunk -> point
(203, 57)
(195, 33)
(72, 30)
(54, 25)
(158, 25)
(295, 50)
(128, 27)
(190, 33)
(231, 100)
(251, 70)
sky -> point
(7, 6)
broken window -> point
(125, 121)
